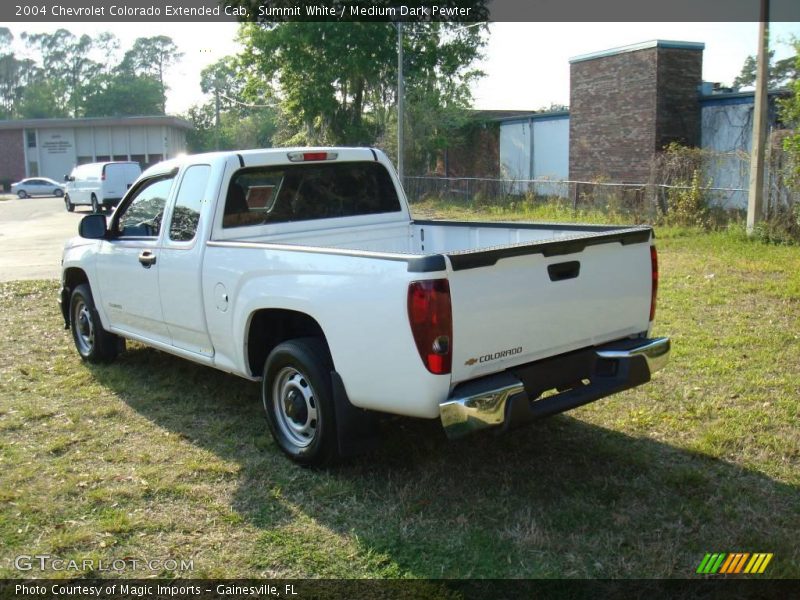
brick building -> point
(627, 103)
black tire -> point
(22, 194)
(95, 204)
(58, 192)
(68, 203)
(297, 396)
(94, 344)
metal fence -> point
(640, 201)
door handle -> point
(565, 270)
(147, 258)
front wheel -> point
(68, 203)
(94, 344)
(298, 400)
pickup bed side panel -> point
(360, 303)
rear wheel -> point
(58, 192)
(95, 204)
(22, 194)
(298, 400)
(68, 203)
(94, 344)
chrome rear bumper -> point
(513, 397)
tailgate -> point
(522, 303)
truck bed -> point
(467, 244)
(521, 292)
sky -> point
(526, 64)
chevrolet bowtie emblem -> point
(471, 362)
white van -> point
(99, 185)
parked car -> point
(99, 185)
(37, 186)
(303, 269)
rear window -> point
(265, 195)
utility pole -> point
(755, 197)
(400, 101)
(216, 116)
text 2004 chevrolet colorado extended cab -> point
(302, 268)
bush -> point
(782, 227)
(688, 205)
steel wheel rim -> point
(83, 327)
(295, 406)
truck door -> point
(128, 263)
(181, 261)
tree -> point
(790, 114)
(66, 64)
(15, 76)
(780, 73)
(152, 56)
(247, 119)
(40, 100)
(337, 81)
(107, 46)
(9, 78)
(122, 94)
(81, 76)
(438, 79)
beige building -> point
(52, 147)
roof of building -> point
(737, 96)
(640, 46)
(159, 120)
(502, 116)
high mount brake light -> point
(311, 156)
(431, 319)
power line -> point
(245, 104)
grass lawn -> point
(154, 457)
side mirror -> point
(68, 178)
(93, 227)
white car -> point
(303, 269)
(37, 186)
(99, 185)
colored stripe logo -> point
(734, 563)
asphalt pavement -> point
(32, 235)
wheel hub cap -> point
(84, 328)
(295, 406)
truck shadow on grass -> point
(559, 498)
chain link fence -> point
(638, 201)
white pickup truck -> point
(303, 269)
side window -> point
(143, 216)
(186, 214)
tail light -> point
(654, 287)
(431, 320)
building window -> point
(123, 157)
(85, 160)
(153, 159)
(139, 158)
(103, 158)
(30, 135)
(33, 169)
